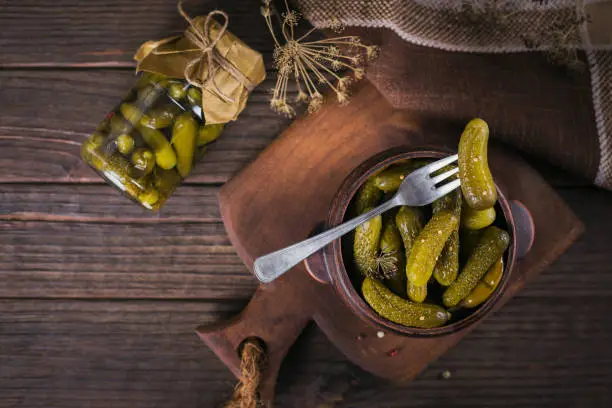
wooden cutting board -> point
(280, 198)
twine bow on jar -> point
(209, 57)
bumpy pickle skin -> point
(491, 246)
(390, 179)
(209, 133)
(125, 144)
(118, 125)
(401, 311)
(194, 96)
(391, 258)
(144, 160)
(476, 180)
(131, 112)
(368, 196)
(165, 157)
(477, 219)
(184, 134)
(177, 91)
(159, 118)
(485, 288)
(416, 293)
(365, 246)
(428, 247)
(447, 266)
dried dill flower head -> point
(312, 65)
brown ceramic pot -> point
(330, 264)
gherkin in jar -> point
(151, 140)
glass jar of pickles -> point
(150, 142)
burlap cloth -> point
(441, 62)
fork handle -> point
(269, 267)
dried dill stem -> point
(312, 64)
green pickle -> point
(401, 311)
(428, 247)
(149, 197)
(131, 112)
(491, 246)
(177, 91)
(417, 293)
(477, 219)
(119, 126)
(159, 118)
(368, 196)
(184, 134)
(125, 144)
(209, 133)
(365, 246)
(447, 266)
(391, 257)
(144, 160)
(477, 183)
(485, 288)
(194, 96)
(390, 179)
(165, 157)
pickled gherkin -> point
(417, 293)
(477, 219)
(477, 183)
(428, 246)
(365, 245)
(485, 288)
(390, 179)
(184, 135)
(368, 196)
(491, 246)
(447, 266)
(401, 311)
(391, 259)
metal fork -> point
(418, 189)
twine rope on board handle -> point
(251, 363)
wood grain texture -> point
(75, 353)
(120, 260)
(39, 142)
(107, 33)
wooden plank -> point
(102, 203)
(39, 141)
(73, 353)
(108, 247)
(103, 33)
(120, 260)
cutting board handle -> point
(271, 318)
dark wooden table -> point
(99, 299)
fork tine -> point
(437, 165)
(445, 175)
(447, 188)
